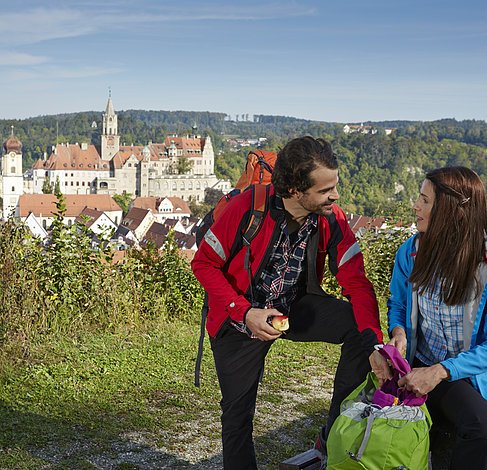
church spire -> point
(110, 140)
(109, 110)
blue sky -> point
(344, 61)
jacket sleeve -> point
(213, 254)
(399, 288)
(347, 263)
(468, 363)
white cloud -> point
(44, 24)
(37, 25)
(17, 58)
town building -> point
(164, 207)
(11, 177)
(180, 166)
(359, 129)
(43, 207)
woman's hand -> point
(424, 379)
(399, 339)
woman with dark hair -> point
(437, 308)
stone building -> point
(180, 166)
(11, 177)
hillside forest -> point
(379, 174)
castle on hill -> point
(178, 167)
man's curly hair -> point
(297, 159)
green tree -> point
(123, 200)
(184, 165)
(212, 196)
(46, 186)
(57, 187)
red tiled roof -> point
(45, 204)
(179, 205)
(73, 157)
(89, 216)
(134, 218)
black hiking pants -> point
(239, 362)
(457, 404)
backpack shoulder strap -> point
(260, 205)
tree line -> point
(379, 173)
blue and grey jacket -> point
(403, 311)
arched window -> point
(103, 185)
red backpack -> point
(256, 178)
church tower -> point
(12, 180)
(110, 140)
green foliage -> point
(377, 172)
(379, 250)
(66, 285)
(57, 187)
(166, 284)
(123, 200)
(199, 209)
(184, 165)
(46, 186)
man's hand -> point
(424, 379)
(380, 367)
(256, 321)
(399, 339)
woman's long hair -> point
(453, 244)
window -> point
(103, 185)
(13, 189)
(77, 183)
(44, 223)
(12, 169)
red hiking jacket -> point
(226, 280)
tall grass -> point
(65, 286)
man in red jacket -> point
(283, 277)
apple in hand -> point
(280, 323)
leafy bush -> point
(66, 285)
(379, 250)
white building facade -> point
(180, 166)
(11, 177)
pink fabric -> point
(390, 393)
